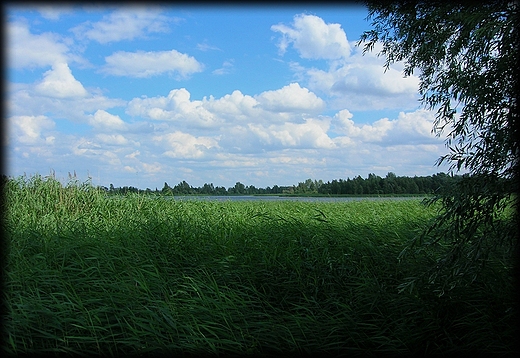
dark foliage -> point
(465, 55)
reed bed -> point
(89, 274)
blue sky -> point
(140, 96)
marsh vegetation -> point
(133, 274)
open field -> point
(134, 275)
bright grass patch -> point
(129, 275)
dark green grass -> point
(93, 275)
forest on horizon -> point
(372, 185)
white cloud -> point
(184, 145)
(25, 99)
(127, 24)
(129, 169)
(60, 83)
(286, 104)
(313, 38)
(362, 86)
(109, 157)
(206, 47)
(413, 128)
(111, 139)
(103, 120)
(372, 80)
(291, 98)
(30, 129)
(28, 50)
(311, 134)
(234, 107)
(226, 68)
(133, 154)
(147, 64)
(280, 136)
(367, 132)
(250, 152)
(151, 167)
(54, 12)
(349, 78)
(177, 106)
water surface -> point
(292, 198)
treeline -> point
(391, 184)
(372, 185)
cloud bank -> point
(309, 127)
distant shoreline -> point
(339, 195)
(294, 195)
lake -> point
(291, 198)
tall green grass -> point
(88, 274)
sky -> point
(262, 95)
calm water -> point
(290, 198)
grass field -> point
(134, 275)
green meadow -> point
(129, 275)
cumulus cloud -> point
(177, 106)
(313, 38)
(25, 49)
(185, 145)
(286, 104)
(30, 129)
(26, 99)
(60, 83)
(408, 128)
(103, 120)
(367, 132)
(281, 135)
(234, 107)
(147, 64)
(258, 138)
(126, 24)
(361, 86)
(350, 79)
(285, 152)
(311, 134)
(290, 98)
(414, 128)
(369, 80)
